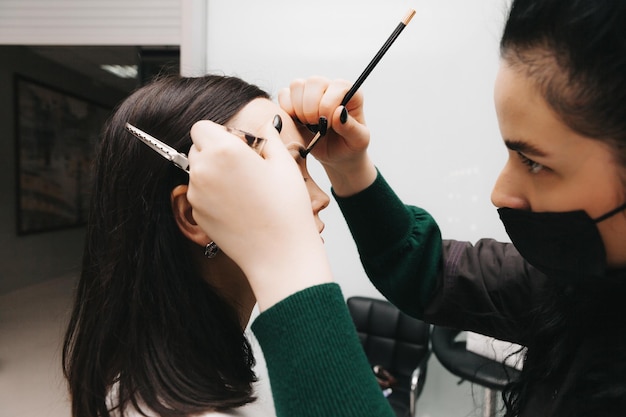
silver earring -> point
(211, 250)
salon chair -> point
(469, 366)
(396, 342)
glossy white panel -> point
(429, 101)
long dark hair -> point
(146, 329)
(575, 51)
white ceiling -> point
(88, 59)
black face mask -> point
(566, 246)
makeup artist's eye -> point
(533, 167)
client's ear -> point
(183, 215)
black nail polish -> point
(343, 117)
(312, 128)
(278, 123)
(323, 126)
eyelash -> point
(533, 167)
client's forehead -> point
(254, 115)
(260, 112)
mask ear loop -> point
(610, 213)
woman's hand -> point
(257, 210)
(343, 150)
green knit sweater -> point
(400, 245)
(315, 361)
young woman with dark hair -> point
(157, 327)
(558, 289)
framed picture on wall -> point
(56, 135)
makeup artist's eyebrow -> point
(524, 147)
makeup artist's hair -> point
(146, 329)
(575, 52)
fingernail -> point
(278, 123)
(323, 125)
(343, 117)
(312, 128)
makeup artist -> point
(558, 289)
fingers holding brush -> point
(302, 98)
(340, 130)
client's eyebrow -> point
(524, 147)
(295, 149)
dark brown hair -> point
(575, 52)
(147, 329)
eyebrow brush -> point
(364, 74)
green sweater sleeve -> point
(400, 246)
(315, 361)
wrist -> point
(353, 177)
(301, 265)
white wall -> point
(429, 101)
